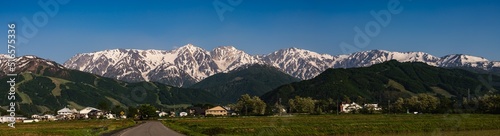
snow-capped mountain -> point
(368, 58)
(190, 64)
(461, 60)
(180, 67)
(28, 63)
(300, 63)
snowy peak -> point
(221, 51)
(189, 48)
(189, 64)
(4, 56)
(367, 58)
(30, 63)
(302, 53)
(461, 60)
(300, 63)
(228, 57)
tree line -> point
(421, 103)
(426, 103)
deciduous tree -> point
(147, 111)
(250, 105)
(302, 105)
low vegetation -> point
(346, 124)
(66, 128)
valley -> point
(44, 86)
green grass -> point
(340, 125)
(400, 87)
(24, 97)
(57, 82)
(442, 92)
(65, 128)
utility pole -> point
(337, 105)
(468, 94)
(389, 105)
(279, 106)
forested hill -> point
(254, 80)
(387, 81)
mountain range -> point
(43, 86)
(188, 65)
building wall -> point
(216, 112)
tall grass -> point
(65, 128)
(336, 124)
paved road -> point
(150, 128)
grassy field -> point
(65, 128)
(464, 124)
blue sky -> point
(439, 27)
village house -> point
(216, 111)
(5, 119)
(90, 112)
(162, 114)
(110, 116)
(350, 107)
(183, 114)
(35, 116)
(20, 119)
(48, 117)
(373, 107)
(172, 114)
(66, 113)
(347, 108)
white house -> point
(6, 119)
(49, 117)
(346, 107)
(183, 114)
(91, 111)
(373, 107)
(87, 110)
(162, 114)
(35, 116)
(20, 119)
(172, 114)
(110, 116)
(66, 111)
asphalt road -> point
(150, 128)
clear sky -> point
(439, 27)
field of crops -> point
(65, 128)
(464, 124)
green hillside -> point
(51, 90)
(253, 80)
(386, 81)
